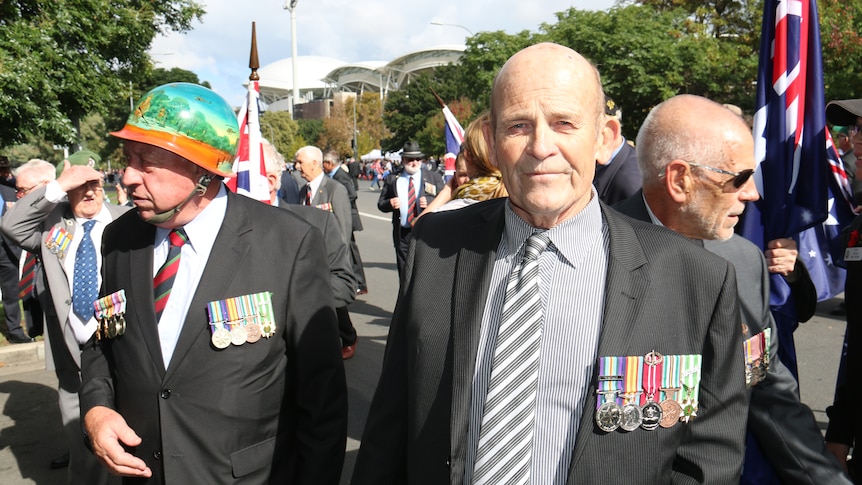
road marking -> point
(379, 218)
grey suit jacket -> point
(661, 293)
(337, 254)
(274, 411)
(333, 193)
(785, 428)
(28, 223)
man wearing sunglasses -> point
(697, 183)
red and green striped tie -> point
(164, 280)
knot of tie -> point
(178, 237)
(88, 226)
(536, 243)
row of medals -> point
(630, 416)
(111, 327)
(239, 334)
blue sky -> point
(217, 48)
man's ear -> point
(609, 138)
(678, 180)
(488, 134)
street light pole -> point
(291, 6)
(442, 24)
(355, 147)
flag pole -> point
(253, 62)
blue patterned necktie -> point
(85, 289)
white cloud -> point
(217, 49)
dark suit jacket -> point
(785, 428)
(661, 293)
(337, 253)
(272, 411)
(620, 179)
(289, 190)
(333, 193)
(389, 190)
(344, 179)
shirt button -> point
(166, 393)
(157, 455)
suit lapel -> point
(472, 278)
(624, 291)
(138, 260)
(224, 263)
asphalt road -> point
(30, 430)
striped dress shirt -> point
(573, 272)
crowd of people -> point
(599, 318)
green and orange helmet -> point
(188, 120)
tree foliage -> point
(63, 59)
(646, 56)
(337, 132)
(282, 131)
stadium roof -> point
(320, 76)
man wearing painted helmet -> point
(205, 369)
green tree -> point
(310, 131)
(646, 57)
(840, 27)
(284, 132)
(62, 59)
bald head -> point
(686, 127)
(559, 63)
(696, 157)
(546, 131)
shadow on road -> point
(35, 435)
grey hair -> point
(45, 171)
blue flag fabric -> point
(795, 177)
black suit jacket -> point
(429, 179)
(662, 292)
(344, 178)
(620, 179)
(785, 428)
(272, 411)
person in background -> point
(618, 178)
(63, 221)
(696, 182)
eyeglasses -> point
(739, 178)
(23, 191)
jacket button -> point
(166, 393)
(157, 455)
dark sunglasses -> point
(739, 178)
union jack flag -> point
(454, 138)
(250, 179)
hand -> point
(74, 176)
(840, 451)
(108, 433)
(781, 256)
(395, 202)
(122, 196)
(423, 202)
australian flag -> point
(803, 187)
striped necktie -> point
(411, 202)
(28, 276)
(85, 284)
(308, 195)
(164, 280)
(506, 433)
